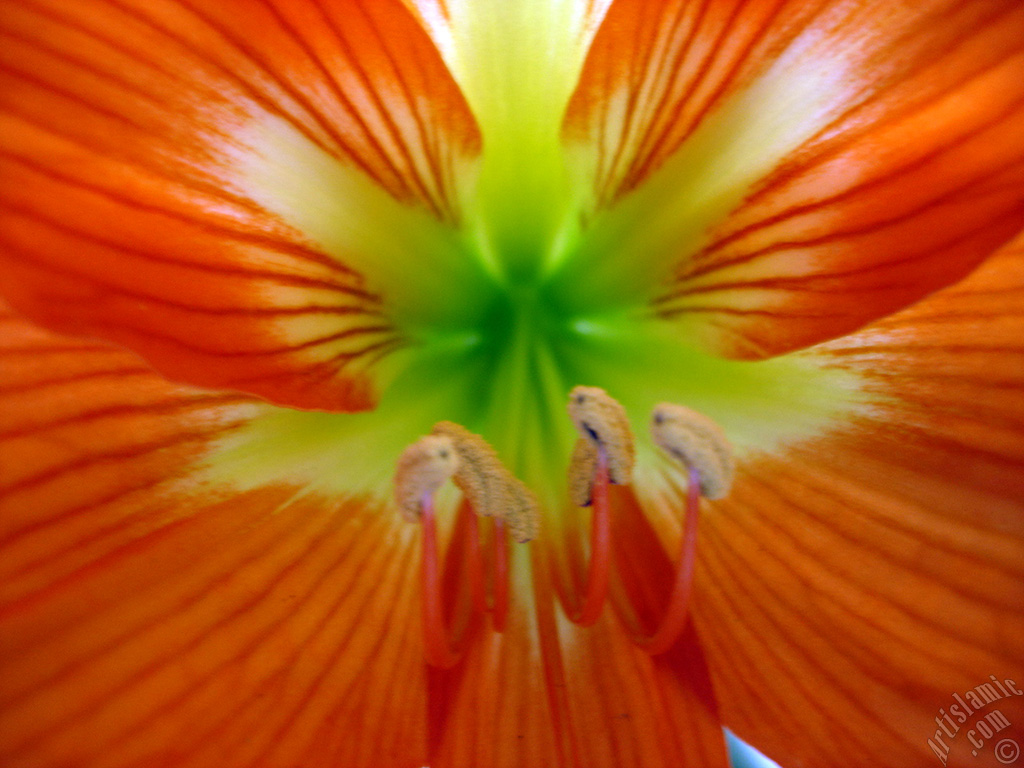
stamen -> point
(701, 446)
(602, 420)
(491, 489)
(696, 441)
(466, 458)
(422, 468)
(604, 453)
(488, 489)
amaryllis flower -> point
(254, 250)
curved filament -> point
(673, 621)
(438, 646)
(441, 648)
(595, 591)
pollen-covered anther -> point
(422, 468)
(582, 467)
(489, 487)
(601, 420)
(697, 442)
(523, 516)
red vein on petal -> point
(739, 673)
(781, 640)
(74, 98)
(397, 563)
(211, 268)
(658, 139)
(834, 147)
(606, 180)
(1002, 223)
(544, 595)
(432, 145)
(54, 522)
(654, 142)
(797, 613)
(644, 52)
(276, 626)
(248, 237)
(165, 405)
(396, 185)
(838, 235)
(354, 558)
(38, 385)
(232, 352)
(264, 101)
(870, 185)
(949, 545)
(350, 107)
(274, 544)
(119, 455)
(409, 169)
(77, 62)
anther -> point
(422, 468)
(480, 470)
(601, 419)
(697, 442)
(491, 489)
(523, 515)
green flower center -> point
(522, 302)
(500, 357)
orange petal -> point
(851, 585)
(150, 617)
(549, 693)
(126, 212)
(803, 168)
